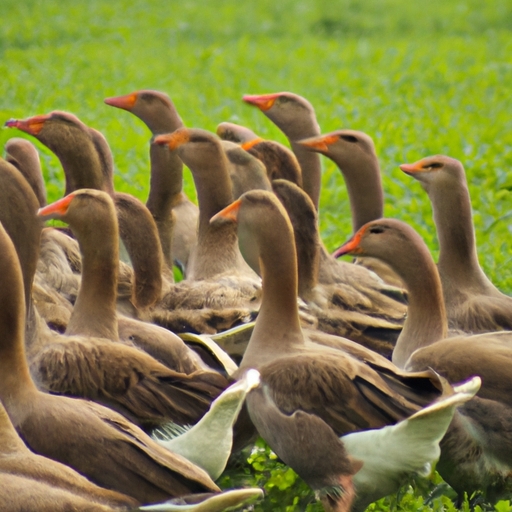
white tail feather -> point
(394, 452)
(208, 443)
(227, 500)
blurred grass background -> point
(420, 78)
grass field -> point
(420, 78)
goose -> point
(476, 452)
(82, 365)
(87, 162)
(175, 215)
(354, 153)
(295, 116)
(343, 392)
(92, 439)
(473, 303)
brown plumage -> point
(87, 162)
(32, 482)
(235, 133)
(175, 215)
(341, 310)
(24, 156)
(344, 391)
(245, 171)
(279, 161)
(477, 451)
(89, 365)
(473, 303)
(92, 439)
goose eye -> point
(377, 230)
(349, 138)
(435, 165)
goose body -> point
(87, 362)
(340, 392)
(295, 116)
(473, 303)
(475, 454)
(92, 439)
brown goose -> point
(279, 161)
(76, 146)
(235, 133)
(86, 159)
(202, 152)
(477, 451)
(473, 303)
(97, 442)
(340, 391)
(24, 156)
(328, 302)
(295, 116)
(245, 171)
(83, 364)
(217, 276)
(354, 154)
(166, 194)
(46, 482)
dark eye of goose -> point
(434, 165)
(349, 138)
(376, 229)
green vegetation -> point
(421, 78)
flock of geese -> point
(121, 389)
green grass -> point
(421, 78)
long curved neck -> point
(458, 260)
(94, 313)
(106, 160)
(364, 186)
(311, 168)
(82, 161)
(165, 191)
(140, 237)
(426, 315)
(277, 326)
(309, 162)
(303, 217)
(213, 190)
(15, 380)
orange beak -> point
(352, 246)
(251, 143)
(32, 125)
(262, 101)
(56, 210)
(228, 213)
(412, 168)
(125, 102)
(320, 144)
(173, 140)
